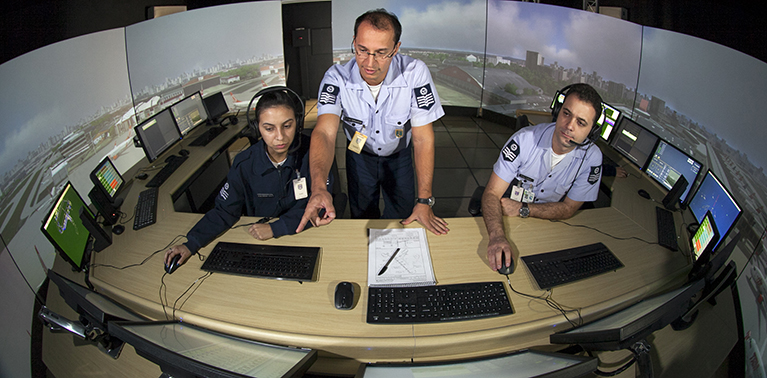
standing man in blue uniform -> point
(552, 169)
(384, 101)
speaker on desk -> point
(673, 196)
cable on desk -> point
(548, 298)
(178, 237)
(200, 279)
(601, 232)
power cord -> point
(548, 298)
(602, 232)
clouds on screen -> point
(448, 25)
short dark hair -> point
(588, 94)
(381, 19)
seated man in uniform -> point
(551, 169)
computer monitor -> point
(712, 196)
(216, 106)
(189, 113)
(69, 225)
(668, 163)
(607, 121)
(157, 134)
(184, 350)
(630, 325)
(528, 363)
(107, 179)
(634, 142)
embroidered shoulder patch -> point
(224, 193)
(594, 174)
(511, 151)
(424, 97)
(329, 94)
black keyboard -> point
(666, 228)
(442, 303)
(568, 265)
(173, 163)
(146, 209)
(208, 136)
(267, 261)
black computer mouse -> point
(344, 295)
(118, 229)
(142, 176)
(170, 268)
(183, 152)
(506, 269)
(643, 193)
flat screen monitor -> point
(523, 364)
(623, 328)
(607, 121)
(189, 113)
(668, 163)
(184, 350)
(107, 179)
(65, 230)
(704, 238)
(634, 142)
(216, 106)
(559, 97)
(712, 196)
(157, 134)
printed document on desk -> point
(410, 267)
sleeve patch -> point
(511, 151)
(329, 94)
(594, 175)
(424, 97)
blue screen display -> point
(713, 196)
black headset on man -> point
(251, 131)
(556, 107)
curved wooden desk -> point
(303, 314)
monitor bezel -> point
(585, 364)
(97, 183)
(722, 234)
(688, 195)
(138, 131)
(83, 265)
(205, 103)
(621, 337)
(174, 106)
(181, 364)
(614, 139)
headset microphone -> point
(585, 142)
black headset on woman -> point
(252, 128)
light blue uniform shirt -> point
(407, 98)
(526, 156)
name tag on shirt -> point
(516, 193)
(358, 141)
(299, 188)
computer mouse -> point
(506, 269)
(344, 295)
(142, 176)
(183, 152)
(643, 193)
(118, 229)
(170, 268)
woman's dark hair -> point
(273, 99)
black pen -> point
(388, 262)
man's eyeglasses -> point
(377, 56)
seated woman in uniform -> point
(261, 181)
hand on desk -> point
(621, 172)
(496, 248)
(261, 231)
(425, 216)
(320, 199)
(178, 250)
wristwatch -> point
(524, 211)
(426, 201)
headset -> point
(556, 107)
(298, 104)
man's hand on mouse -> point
(496, 248)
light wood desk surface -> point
(302, 314)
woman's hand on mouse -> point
(178, 250)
